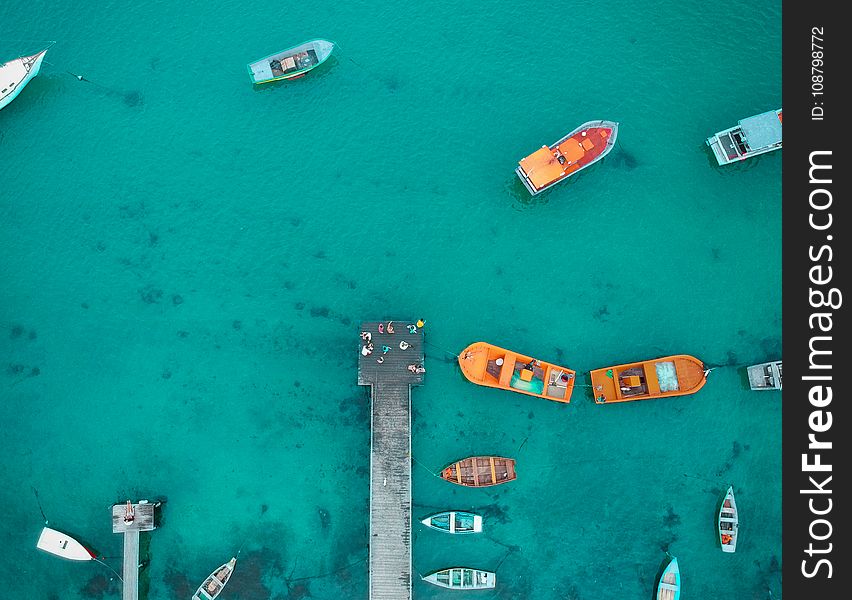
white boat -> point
(62, 545)
(729, 522)
(765, 376)
(462, 578)
(291, 63)
(215, 583)
(454, 522)
(756, 135)
(16, 74)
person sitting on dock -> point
(389, 328)
(385, 349)
(403, 345)
(412, 329)
(367, 349)
(381, 327)
(366, 336)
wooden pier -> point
(143, 520)
(390, 456)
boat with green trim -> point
(290, 63)
(454, 521)
(669, 586)
(462, 578)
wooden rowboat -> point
(16, 74)
(729, 522)
(290, 63)
(492, 366)
(677, 375)
(480, 471)
(669, 586)
(581, 148)
(215, 583)
(454, 521)
(58, 543)
(462, 578)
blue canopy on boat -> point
(762, 130)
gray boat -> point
(756, 135)
(765, 376)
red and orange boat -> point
(492, 366)
(677, 375)
(480, 471)
(584, 146)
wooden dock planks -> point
(390, 456)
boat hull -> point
(583, 147)
(668, 587)
(462, 578)
(765, 376)
(677, 375)
(291, 63)
(732, 145)
(729, 523)
(480, 471)
(16, 74)
(492, 366)
(56, 542)
(448, 522)
(215, 582)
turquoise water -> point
(185, 259)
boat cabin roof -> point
(762, 130)
(542, 167)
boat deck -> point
(390, 455)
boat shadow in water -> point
(622, 159)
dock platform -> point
(143, 520)
(390, 452)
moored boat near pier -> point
(462, 578)
(480, 471)
(677, 375)
(60, 544)
(215, 582)
(454, 521)
(492, 366)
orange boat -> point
(584, 146)
(480, 471)
(492, 366)
(659, 378)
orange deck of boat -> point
(690, 377)
(584, 147)
(474, 362)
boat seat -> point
(632, 380)
(588, 144)
(288, 63)
(526, 375)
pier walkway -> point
(142, 520)
(390, 455)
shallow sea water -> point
(185, 260)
